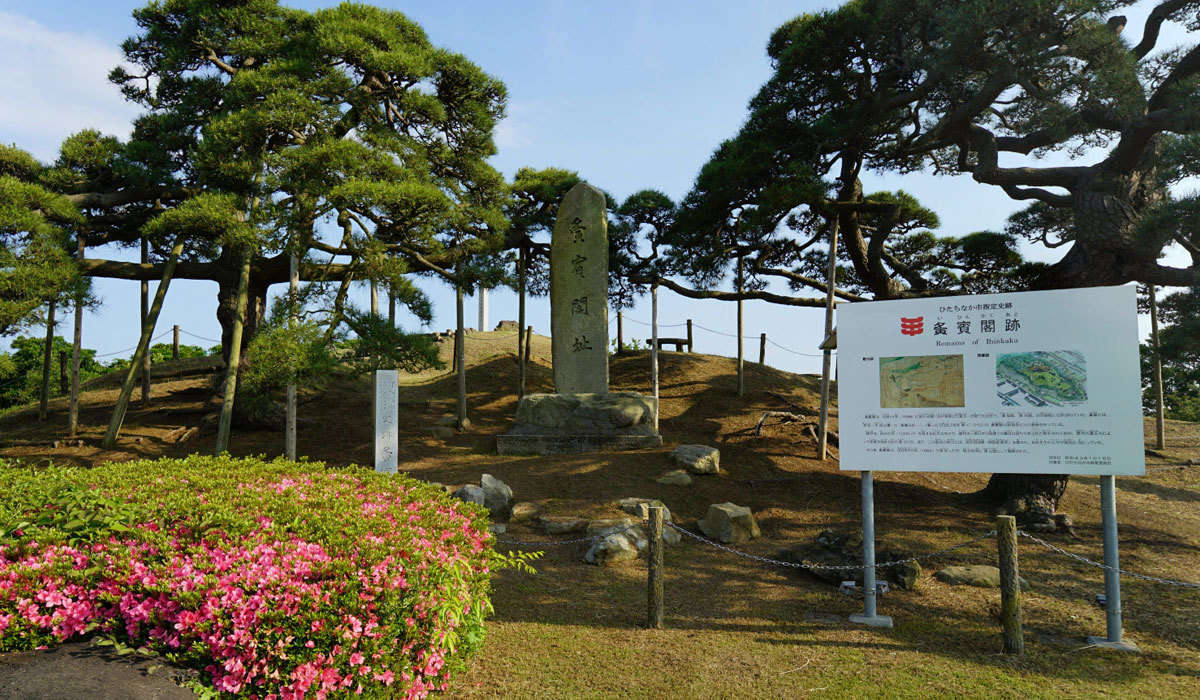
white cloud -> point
(55, 84)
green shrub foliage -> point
(275, 579)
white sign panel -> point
(1028, 382)
(387, 407)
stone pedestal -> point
(567, 423)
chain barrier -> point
(1098, 565)
(590, 538)
(852, 567)
(827, 567)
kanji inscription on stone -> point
(387, 406)
(579, 293)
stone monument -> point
(581, 416)
(387, 424)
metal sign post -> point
(1112, 575)
(869, 617)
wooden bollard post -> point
(689, 324)
(654, 579)
(175, 343)
(620, 333)
(762, 349)
(1010, 585)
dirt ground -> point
(735, 629)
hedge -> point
(275, 579)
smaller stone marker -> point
(387, 430)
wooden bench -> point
(679, 343)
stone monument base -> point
(567, 423)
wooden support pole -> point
(741, 356)
(374, 298)
(528, 343)
(762, 349)
(289, 428)
(460, 359)
(145, 315)
(1160, 438)
(522, 344)
(44, 399)
(654, 579)
(827, 359)
(143, 347)
(175, 342)
(654, 348)
(689, 326)
(620, 333)
(63, 384)
(1010, 585)
(76, 350)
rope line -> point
(199, 336)
(796, 352)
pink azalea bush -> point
(278, 580)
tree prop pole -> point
(145, 314)
(521, 323)
(827, 358)
(654, 347)
(44, 399)
(460, 359)
(118, 417)
(1160, 438)
(289, 439)
(741, 369)
(76, 349)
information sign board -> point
(1028, 382)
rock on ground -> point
(698, 459)
(524, 512)
(678, 477)
(471, 493)
(562, 524)
(612, 549)
(980, 575)
(729, 523)
(633, 506)
(497, 497)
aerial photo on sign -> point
(1041, 378)
(921, 381)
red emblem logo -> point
(912, 326)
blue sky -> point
(631, 94)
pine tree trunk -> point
(235, 356)
(114, 425)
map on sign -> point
(921, 381)
(1040, 378)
